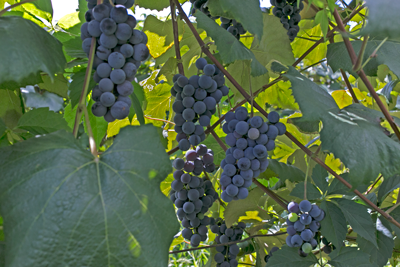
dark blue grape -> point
(136, 38)
(314, 226)
(108, 41)
(204, 120)
(188, 102)
(119, 14)
(270, 145)
(244, 164)
(273, 117)
(320, 217)
(307, 235)
(107, 99)
(262, 140)
(184, 145)
(296, 241)
(255, 164)
(305, 219)
(230, 170)
(281, 128)
(125, 88)
(205, 82)
(232, 190)
(118, 76)
(290, 230)
(237, 180)
(199, 107)
(293, 207)
(260, 151)
(305, 206)
(209, 70)
(201, 63)
(101, 12)
(98, 109)
(298, 226)
(241, 114)
(315, 211)
(141, 52)
(120, 110)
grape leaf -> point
(319, 176)
(42, 121)
(289, 257)
(333, 226)
(359, 219)
(355, 128)
(235, 209)
(338, 58)
(229, 47)
(286, 172)
(23, 61)
(155, 4)
(381, 254)
(312, 191)
(388, 185)
(59, 85)
(2, 254)
(248, 13)
(44, 5)
(351, 257)
(274, 44)
(3, 128)
(76, 86)
(158, 101)
(378, 22)
(107, 211)
(10, 107)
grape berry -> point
(289, 13)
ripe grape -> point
(241, 114)
(101, 12)
(293, 207)
(307, 235)
(141, 52)
(98, 109)
(205, 82)
(201, 63)
(96, 93)
(103, 70)
(108, 41)
(305, 206)
(232, 190)
(93, 28)
(296, 241)
(108, 117)
(118, 76)
(107, 99)
(305, 219)
(120, 110)
(119, 14)
(124, 32)
(102, 52)
(184, 145)
(209, 69)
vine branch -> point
(270, 193)
(364, 77)
(92, 142)
(14, 5)
(225, 244)
(176, 37)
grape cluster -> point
(226, 256)
(193, 196)
(289, 13)
(249, 139)
(120, 49)
(231, 25)
(303, 224)
(127, 3)
(195, 102)
(267, 257)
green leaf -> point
(91, 212)
(388, 185)
(73, 48)
(44, 5)
(312, 191)
(378, 22)
(10, 107)
(333, 226)
(76, 86)
(274, 44)
(319, 176)
(98, 124)
(22, 60)
(359, 219)
(229, 47)
(338, 58)
(385, 91)
(3, 128)
(286, 172)
(355, 128)
(236, 209)
(59, 85)
(321, 18)
(42, 121)
(289, 257)
(138, 109)
(2, 254)
(381, 254)
(158, 98)
(351, 257)
(248, 13)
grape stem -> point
(92, 142)
(364, 77)
(14, 5)
(305, 180)
(289, 135)
(225, 244)
(176, 37)
(271, 194)
(373, 185)
(155, 119)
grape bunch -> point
(267, 257)
(249, 139)
(127, 3)
(231, 25)
(289, 13)
(303, 225)
(193, 196)
(226, 256)
(195, 102)
(120, 49)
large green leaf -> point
(274, 44)
(381, 254)
(77, 210)
(338, 57)
(351, 257)
(2, 254)
(42, 121)
(3, 128)
(289, 257)
(59, 85)
(229, 47)
(158, 100)
(383, 18)
(333, 226)
(319, 176)
(44, 5)
(25, 51)
(359, 219)
(248, 13)
(388, 185)
(239, 208)
(352, 134)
